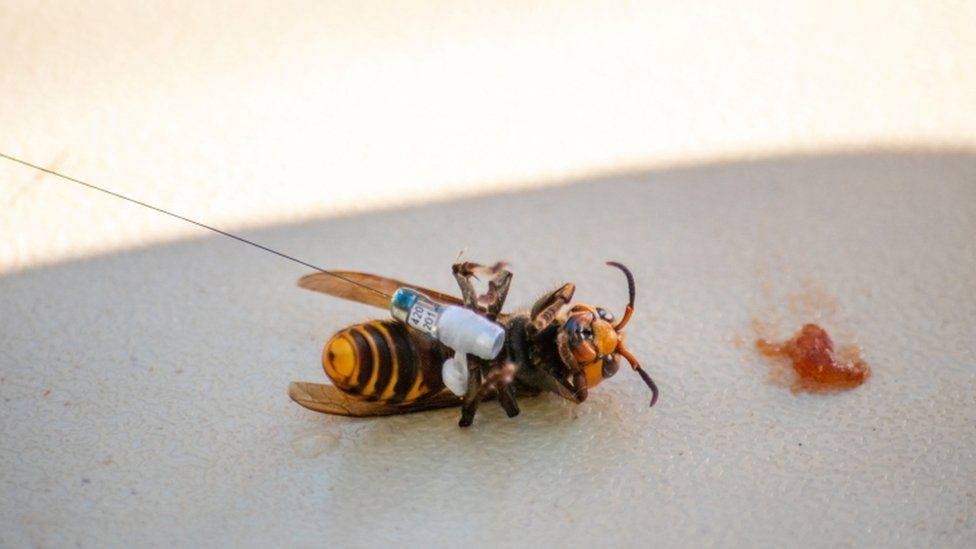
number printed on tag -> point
(423, 318)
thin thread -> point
(197, 223)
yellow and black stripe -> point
(385, 361)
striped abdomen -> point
(385, 361)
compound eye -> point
(605, 314)
(610, 365)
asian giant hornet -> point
(386, 367)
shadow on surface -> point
(171, 362)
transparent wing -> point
(348, 287)
(329, 400)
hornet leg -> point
(471, 398)
(545, 309)
(499, 280)
(506, 397)
(579, 386)
(498, 380)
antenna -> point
(188, 220)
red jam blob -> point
(814, 360)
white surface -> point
(144, 392)
(143, 364)
(281, 111)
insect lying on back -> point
(443, 351)
(386, 367)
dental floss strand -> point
(461, 329)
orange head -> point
(597, 343)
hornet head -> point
(597, 342)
